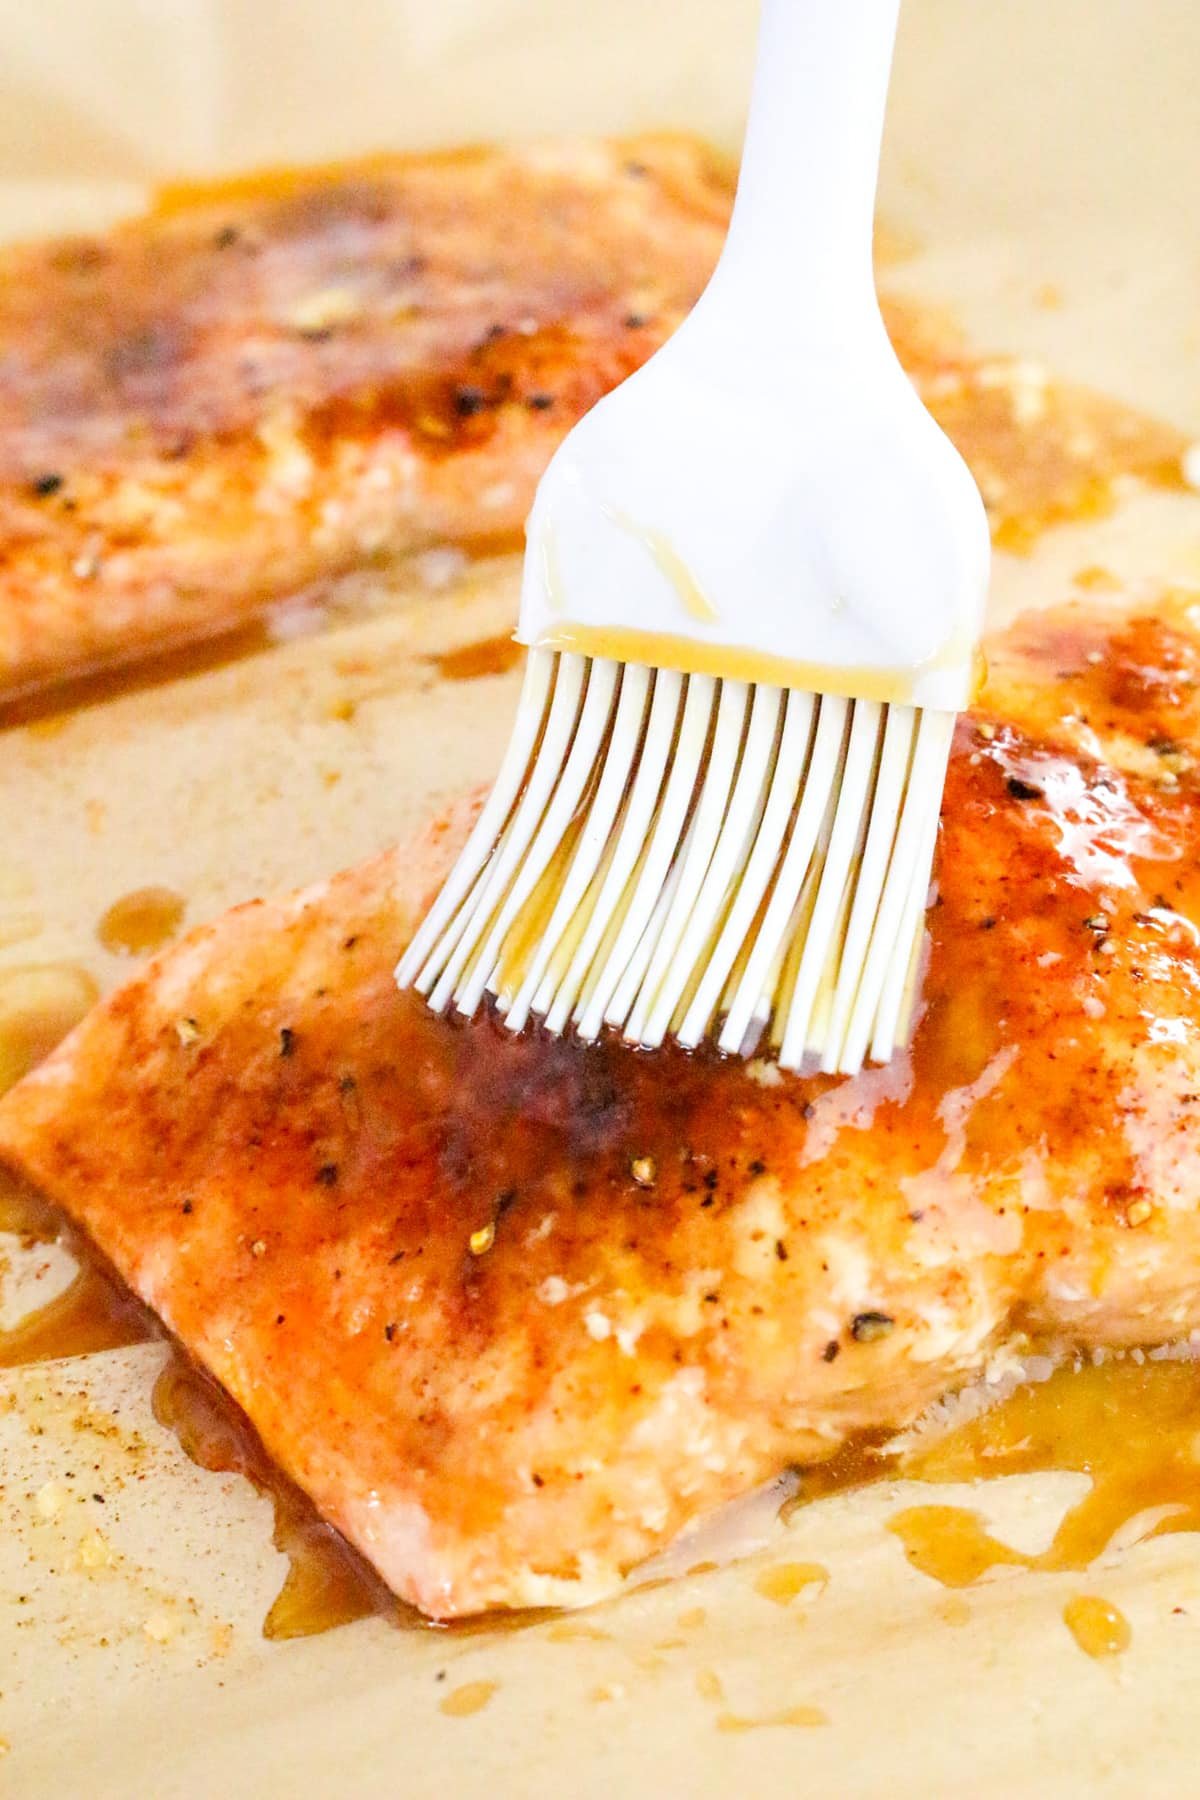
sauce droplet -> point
(472, 1697)
(789, 1715)
(785, 1582)
(1097, 1626)
(607, 1691)
(954, 1610)
(491, 656)
(142, 921)
(708, 1685)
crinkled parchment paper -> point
(1036, 147)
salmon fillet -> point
(516, 1311)
(265, 386)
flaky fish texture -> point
(514, 1311)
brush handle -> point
(799, 244)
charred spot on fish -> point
(539, 402)
(45, 485)
(327, 1174)
(468, 401)
(832, 1351)
(781, 1251)
(1023, 790)
(287, 1041)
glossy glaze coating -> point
(513, 1312)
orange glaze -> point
(511, 1249)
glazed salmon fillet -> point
(516, 1311)
(264, 387)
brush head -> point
(679, 855)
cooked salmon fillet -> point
(515, 1311)
(265, 386)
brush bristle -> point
(674, 855)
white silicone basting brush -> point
(753, 591)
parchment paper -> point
(1035, 146)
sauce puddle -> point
(327, 1583)
(1133, 1428)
